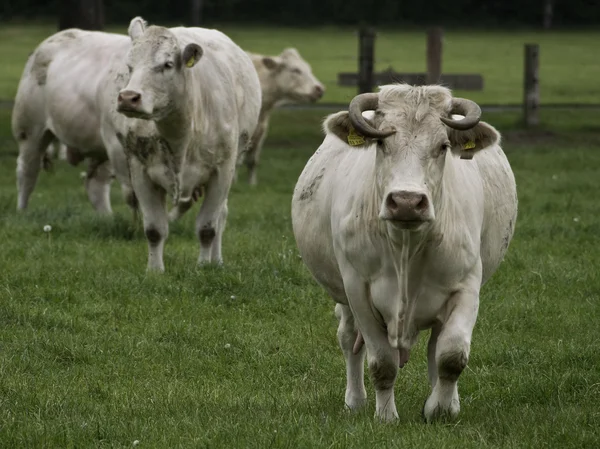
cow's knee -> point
(451, 364)
(207, 235)
(383, 373)
(153, 235)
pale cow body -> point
(56, 100)
(284, 79)
(178, 120)
(397, 265)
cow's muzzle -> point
(407, 210)
(129, 102)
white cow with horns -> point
(402, 233)
(181, 106)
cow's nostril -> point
(135, 98)
(390, 202)
(120, 98)
(422, 204)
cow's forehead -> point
(294, 59)
(154, 42)
(411, 124)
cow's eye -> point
(297, 71)
(129, 68)
(445, 147)
(168, 65)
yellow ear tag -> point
(354, 139)
(469, 145)
(190, 62)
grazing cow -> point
(56, 100)
(402, 233)
(180, 108)
(286, 78)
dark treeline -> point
(459, 13)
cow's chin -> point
(412, 225)
(302, 98)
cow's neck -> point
(175, 127)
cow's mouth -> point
(133, 113)
(407, 225)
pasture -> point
(95, 352)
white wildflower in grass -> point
(47, 228)
(232, 296)
(136, 442)
(83, 175)
(576, 219)
(227, 346)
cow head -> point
(291, 77)
(156, 65)
(413, 132)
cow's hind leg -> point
(356, 395)
(32, 147)
(152, 201)
(97, 185)
(211, 219)
(252, 156)
(451, 355)
(215, 250)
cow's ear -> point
(340, 125)
(271, 63)
(467, 143)
(290, 51)
(137, 26)
(191, 55)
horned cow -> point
(402, 230)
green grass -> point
(569, 66)
(94, 352)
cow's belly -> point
(75, 125)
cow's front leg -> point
(382, 358)
(451, 354)
(356, 395)
(212, 217)
(152, 202)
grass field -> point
(94, 352)
(569, 66)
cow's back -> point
(500, 213)
(225, 80)
(59, 85)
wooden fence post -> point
(531, 99)
(366, 59)
(434, 55)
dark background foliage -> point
(459, 13)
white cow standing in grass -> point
(180, 107)
(57, 100)
(402, 233)
(284, 79)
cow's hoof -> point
(434, 411)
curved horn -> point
(468, 108)
(366, 102)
